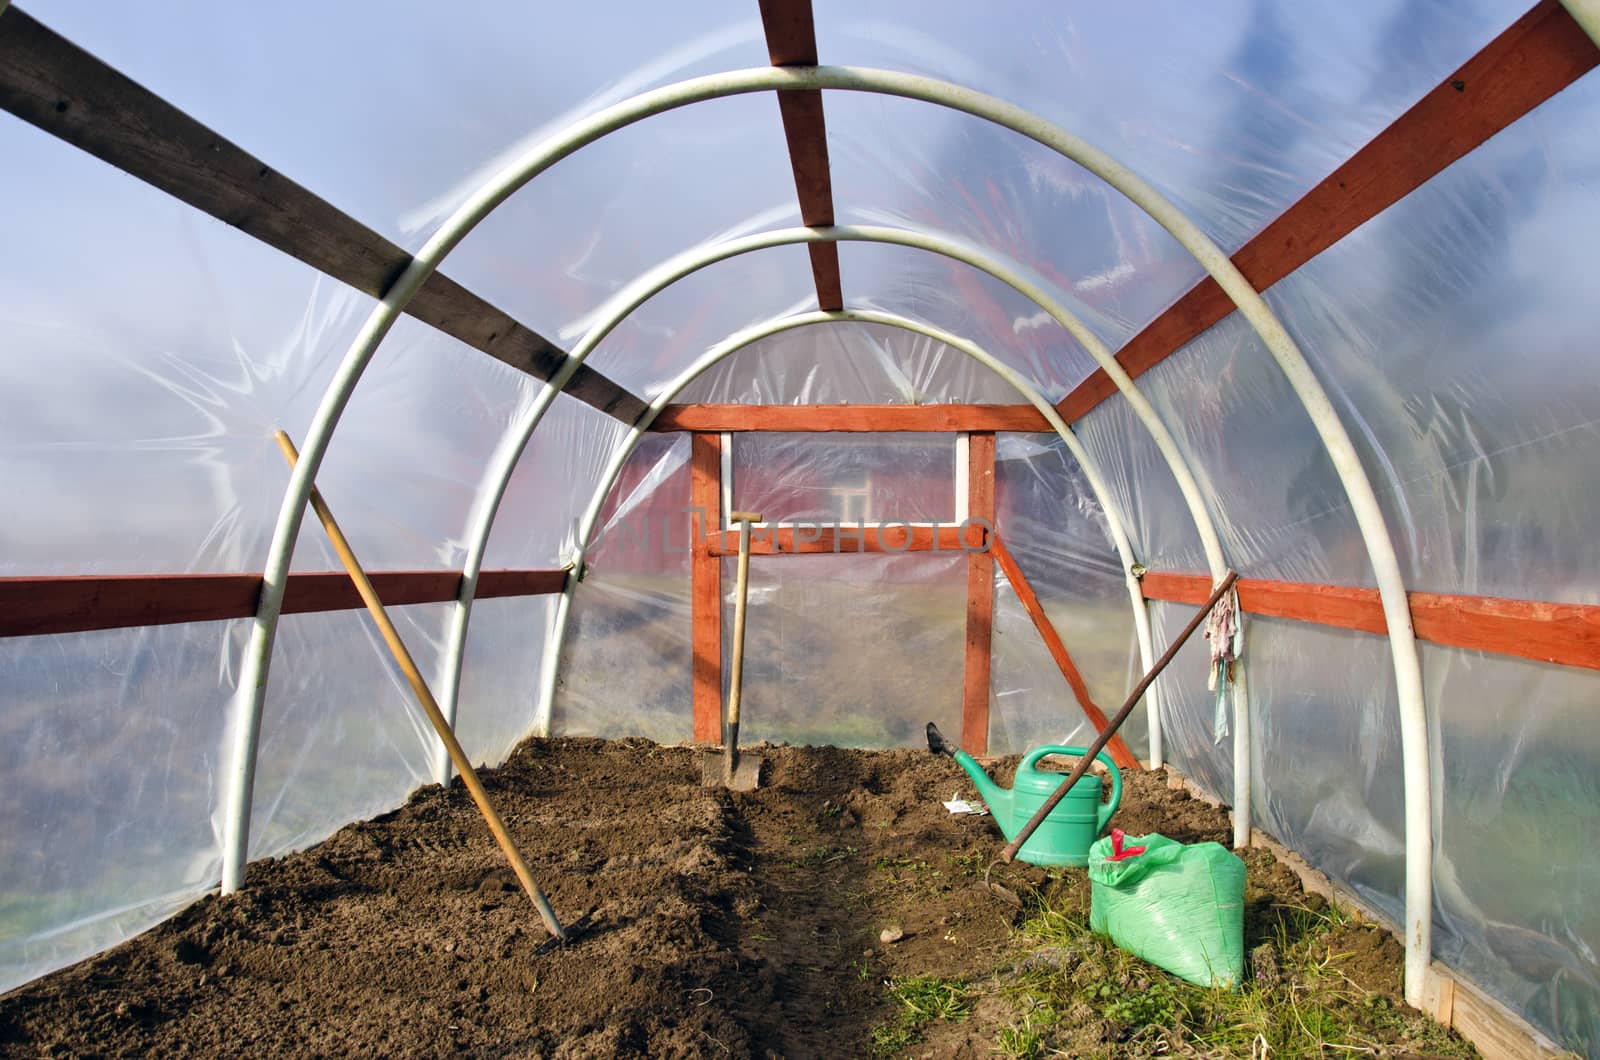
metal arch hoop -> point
(246, 720)
(673, 269)
(734, 343)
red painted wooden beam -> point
(1120, 754)
(849, 540)
(705, 587)
(792, 41)
(1568, 634)
(1539, 55)
(980, 600)
(31, 607)
(868, 418)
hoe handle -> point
(430, 706)
(1009, 854)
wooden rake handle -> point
(430, 706)
(1009, 854)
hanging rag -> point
(1226, 634)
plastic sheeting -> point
(969, 302)
(1467, 381)
(150, 352)
(1233, 111)
(1054, 528)
(627, 658)
(848, 362)
(1516, 812)
(862, 650)
(1187, 706)
(846, 479)
(852, 651)
(1481, 422)
(111, 757)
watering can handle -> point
(1031, 759)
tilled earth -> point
(722, 923)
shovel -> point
(730, 769)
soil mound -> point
(784, 922)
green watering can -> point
(1077, 821)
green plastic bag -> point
(1176, 906)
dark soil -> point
(723, 923)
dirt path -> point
(724, 925)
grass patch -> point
(923, 999)
(1077, 994)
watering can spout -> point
(997, 798)
(1066, 833)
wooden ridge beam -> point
(863, 418)
(1541, 53)
(1566, 634)
(1117, 747)
(792, 41)
(36, 606)
(51, 83)
(849, 540)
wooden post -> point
(1058, 651)
(980, 597)
(705, 497)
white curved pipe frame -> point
(738, 341)
(503, 463)
(246, 719)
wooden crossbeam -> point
(792, 41)
(849, 540)
(36, 606)
(1568, 634)
(1539, 55)
(51, 83)
(1118, 749)
(854, 418)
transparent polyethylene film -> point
(1234, 111)
(500, 676)
(666, 334)
(1468, 375)
(536, 525)
(1054, 528)
(483, 82)
(111, 780)
(1517, 810)
(850, 651)
(847, 479)
(827, 364)
(1187, 706)
(342, 735)
(1157, 519)
(911, 165)
(1325, 731)
(627, 657)
(974, 305)
(1272, 491)
(149, 352)
(151, 391)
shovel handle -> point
(740, 598)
